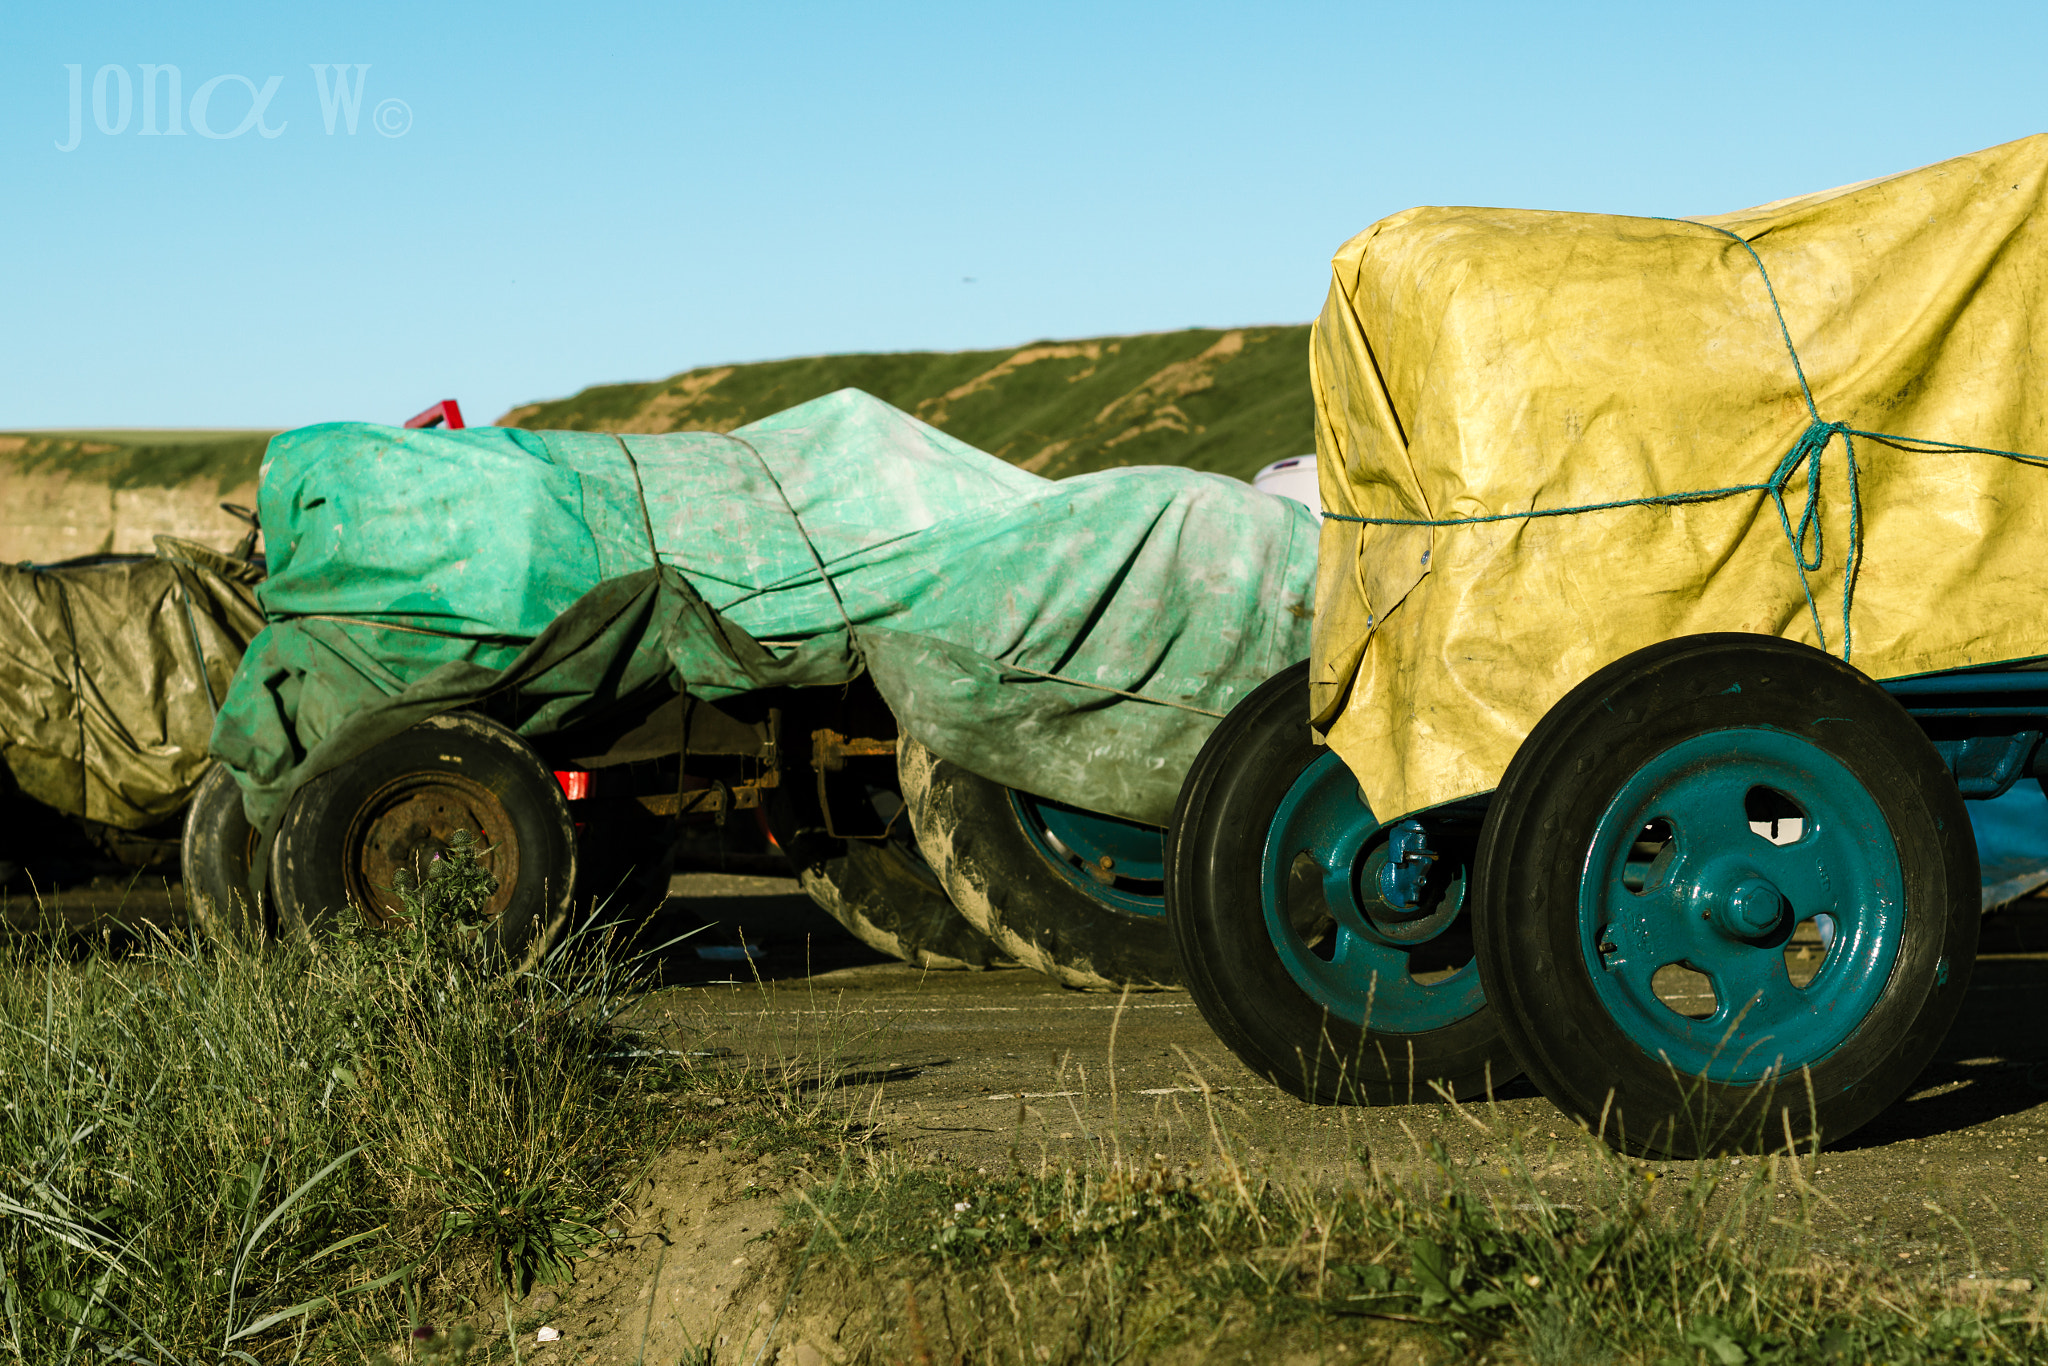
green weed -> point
(209, 1154)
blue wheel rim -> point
(1363, 979)
(1701, 905)
(1120, 863)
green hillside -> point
(1224, 400)
(139, 459)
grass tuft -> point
(209, 1154)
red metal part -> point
(445, 413)
(575, 783)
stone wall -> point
(48, 515)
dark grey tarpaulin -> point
(110, 674)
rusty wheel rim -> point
(407, 822)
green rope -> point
(1807, 452)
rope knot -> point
(1808, 451)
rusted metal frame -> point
(830, 752)
(715, 800)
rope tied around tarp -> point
(1808, 452)
(803, 533)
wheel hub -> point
(1403, 891)
(1750, 911)
(408, 824)
(1721, 900)
(1395, 968)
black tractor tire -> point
(1640, 759)
(881, 890)
(885, 896)
(347, 833)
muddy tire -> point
(219, 857)
(882, 890)
(887, 899)
(347, 833)
(1005, 881)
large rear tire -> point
(890, 901)
(1332, 1000)
(348, 833)
(1659, 840)
(1018, 867)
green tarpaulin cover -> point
(1004, 617)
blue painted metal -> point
(1722, 899)
(2008, 815)
(1985, 766)
(1363, 974)
(1407, 865)
(2009, 708)
(2012, 843)
(1958, 684)
(1119, 863)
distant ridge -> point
(139, 458)
(1227, 400)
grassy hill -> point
(1223, 400)
(129, 459)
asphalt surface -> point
(1003, 1068)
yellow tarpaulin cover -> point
(1477, 362)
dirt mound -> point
(701, 1265)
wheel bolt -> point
(1753, 908)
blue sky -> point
(539, 198)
